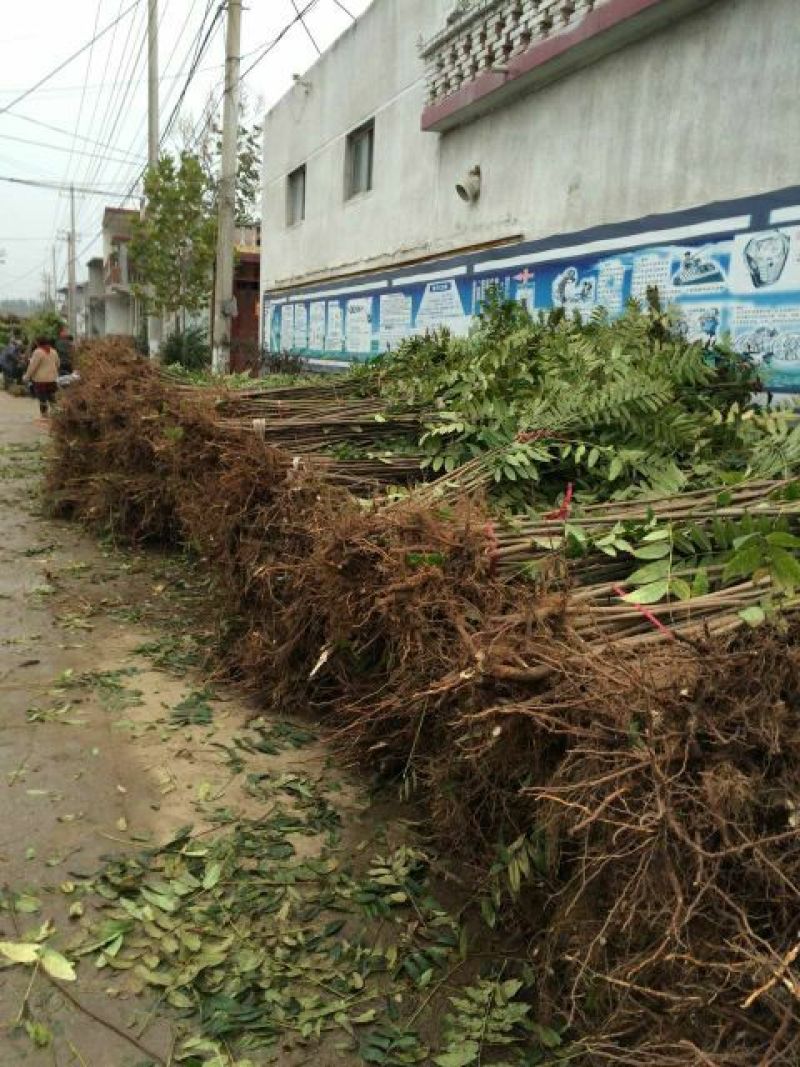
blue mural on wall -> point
(733, 269)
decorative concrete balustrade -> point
(489, 51)
(483, 35)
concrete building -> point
(81, 306)
(572, 152)
(111, 309)
(122, 312)
(96, 298)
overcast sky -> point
(102, 97)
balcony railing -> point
(114, 275)
(491, 51)
(482, 35)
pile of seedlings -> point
(577, 644)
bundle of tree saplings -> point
(607, 750)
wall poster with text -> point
(733, 271)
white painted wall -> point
(119, 315)
(703, 111)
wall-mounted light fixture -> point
(469, 188)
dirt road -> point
(184, 881)
(103, 750)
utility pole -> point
(72, 304)
(55, 281)
(154, 324)
(224, 307)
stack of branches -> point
(635, 811)
(334, 415)
(123, 442)
(129, 437)
(643, 799)
(668, 567)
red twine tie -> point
(651, 618)
(564, 511)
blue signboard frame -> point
(733, 268)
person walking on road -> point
(12, 363)
(42, 373)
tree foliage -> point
(208, 149)
(614, 406)
(173, 246)
(45, 324)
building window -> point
(360, 151)
(296, 196)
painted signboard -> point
(732, 269)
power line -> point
(348, 13)
(113, 92)
(276, 40)
(199, 48)
(83, 92)
(173, 52)
(21, 277)
(199, 53)
(68, 133)
(59, 186)
(115, 107)
(87, 173)
(306, 28)
(63, 148)
(193, 49)
(263, 51)
(92, 86)
(48, 77)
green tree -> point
(208, 148)
(173, 247)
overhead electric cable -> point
(48, 77)
(193, 70)
(306, 28)
(68, 133)
(199, 49)
(115, 112)
(115, 106)
(276, 40)
(133, 160)
(348, 13)
(93, 167)
(194, 50)
(60, 186)
(263, 51)
(85, 80)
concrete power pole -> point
(224, 308)
(154, 325)
(55, 281)
(72, 303)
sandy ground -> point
(82, 775)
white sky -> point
(102, 96)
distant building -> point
(122, 311)
(96, 298)
(111, 308)
(81, 310)
(570, 152)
